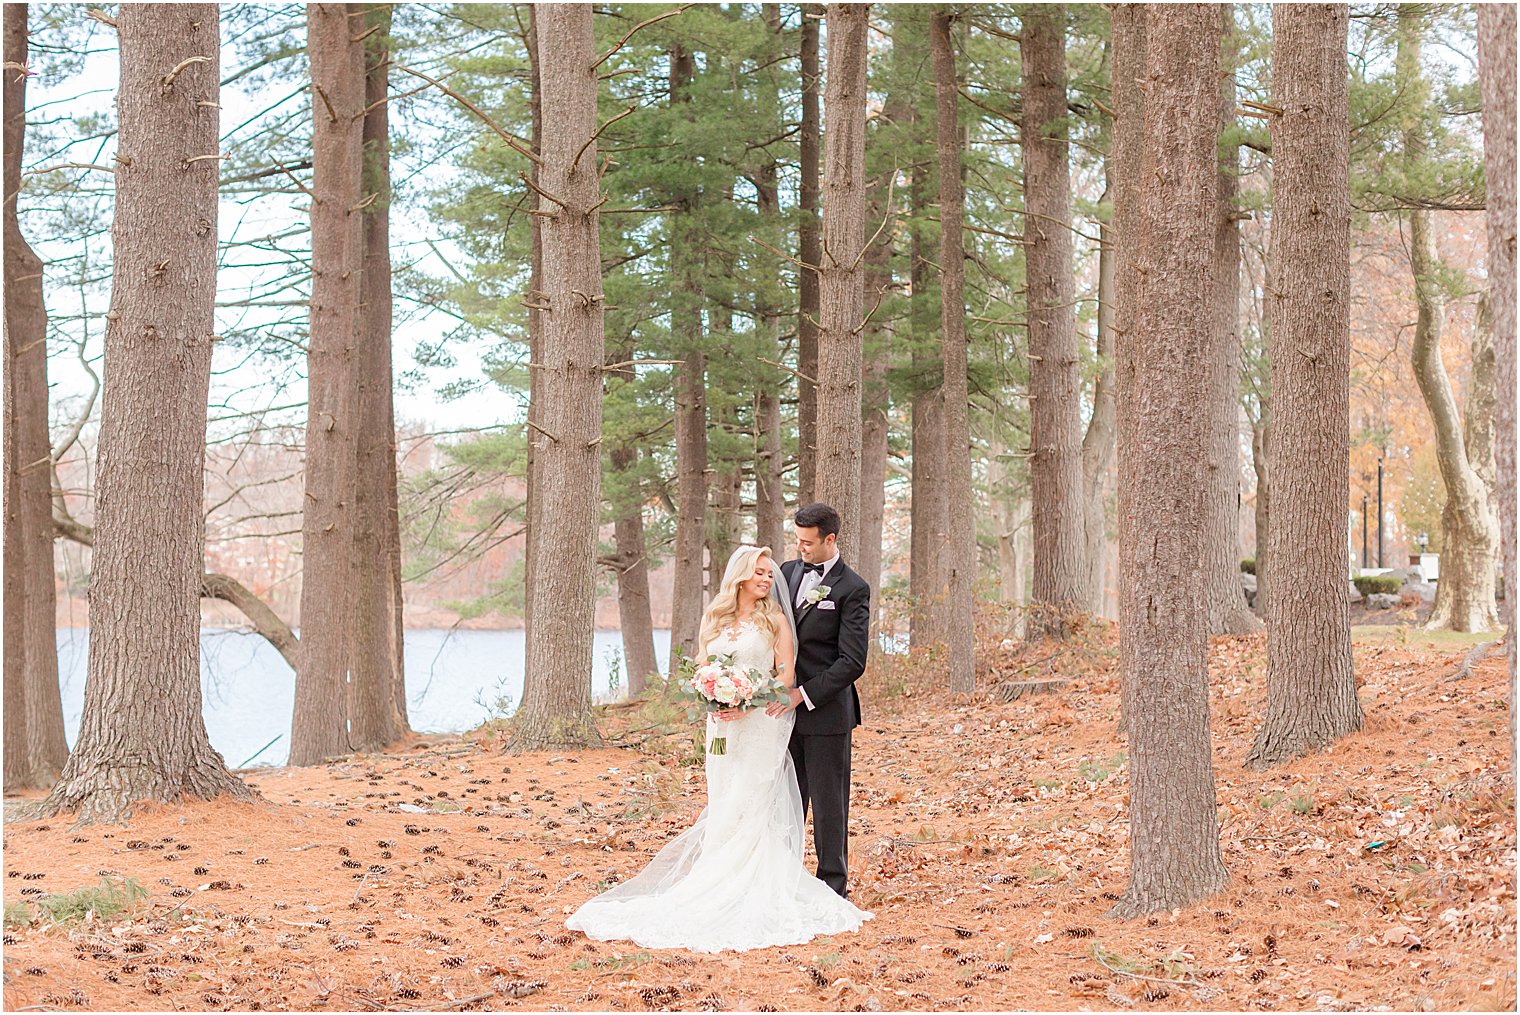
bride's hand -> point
(729, 714)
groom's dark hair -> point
(820, 516)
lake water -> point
(248, 691)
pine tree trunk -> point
(1098, 442)
(376, 719)
(1224, 600)
(1129, 89)
(1174, 837)
(1055, 380)
(960, 607)
(1496, 76)
(875, 396)
(556, 707)
(725, 518)
(631, 562)
(929, 569)
(840, 289)
(1465, 596)
(535, 322)
(323, 702)
(809, 252)
(1311, 689)
(691, 403)
(142, 736)
(31, 642)
(770, 454)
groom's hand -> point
(776, 708)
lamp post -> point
(1380, 513)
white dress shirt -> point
(810, 581)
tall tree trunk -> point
(556, 707)
(1311, 689)
(1174, 835)
(1055, 381)
(724, 511)
(770, 454)
(1128, 87)
(960, 607)
(535, 322)
(929, 570)
(631, 561)
(691, 400)
(1465, 596)
(1496, 77)
(840, 292)
(877, 352)
(810, 253)
(376, 719)
(322, 700)
(1224, 600)
(34, 707)
(142, 736)
(1098, 441)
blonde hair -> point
(724, 608)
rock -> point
(1354, 592)
(1425, 590)
(1382, 601)
(1248, 587)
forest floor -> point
(989, 839)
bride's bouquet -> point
(720, 684)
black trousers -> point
(823, 776)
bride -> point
(735, 879)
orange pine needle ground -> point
(987, 838)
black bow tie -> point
(813, 567)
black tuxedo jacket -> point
(831, 649)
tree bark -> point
(1174, 837)
(1098, 441)
(960, 607)
(142, 736)
(1465, 596)
(556, 707)
(1055, 391)
(631, 562)
(323, 704)
(691, 401)
(1311, 688)
(929, 570)
(378, 689)
(1224, 600)
(840, 290)
(535, 320)
(1496, 77)
(34, 708)
(877, 352)
(770, 453)
(810, 253)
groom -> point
(832, 606)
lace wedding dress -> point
(735, 879)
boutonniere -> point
(818, 594)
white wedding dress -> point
(735, 879)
